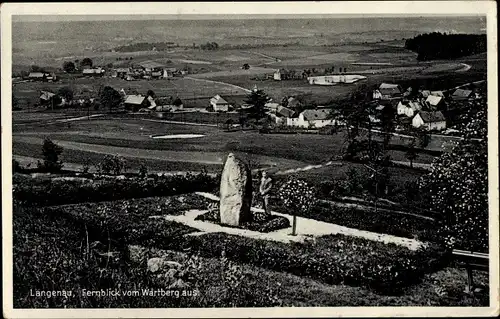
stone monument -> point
(235, 192)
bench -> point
(471, 261)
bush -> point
(111, 164)
(296, 195)
(16, 166)
(333, 259)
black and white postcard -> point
(253, 159)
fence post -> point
(470, 281)
(294, 226)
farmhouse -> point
(218, 104)
(388, 91)
(150, 66)
(38, 76)
(430, 121)
(461, 94)
(93, 72)
(136, 102)
(408, 108)
(311, 119)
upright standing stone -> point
(235, 192)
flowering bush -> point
(458, 188)
(296, 195)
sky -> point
(49, 18)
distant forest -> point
(145, 46)
(436, 45)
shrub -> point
(111, 164)
(51, 152)
(40, 191)
(143, 170)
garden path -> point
(306, 229)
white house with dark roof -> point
(311, 119)
(219, 104)
(430, 121)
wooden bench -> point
(471, 261)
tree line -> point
(436, 45)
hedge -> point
(333, 259)
(47, 191)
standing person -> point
(264, 189)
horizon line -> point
(187, 16)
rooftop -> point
(134, 99)
(321, 114)
(431, 117)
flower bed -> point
(46, 191)
(264, 225)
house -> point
(461, 94)
(93, 72)
(430, 121)
(311, 119)
(437, 93)
(272, 107)
(434, 101)
(284, 112)
(408, 108)
(46, 97)
(156, 74)
(425, 93)
(38, 76)
(277, 75)
(121, 72)
(136, 102)
(150, 66)
(219, 104)
(388, 91)
(167, 74)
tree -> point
(177, 102)
(69, 67)
(258, 99)
(246, 66)
(36, 68)
(411, 154)
(86, 62)
(151, 93)
(51, 152)
(458, 184)
(110, 97)
(66, 93)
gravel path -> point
(306, 228)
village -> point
(432, 111)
